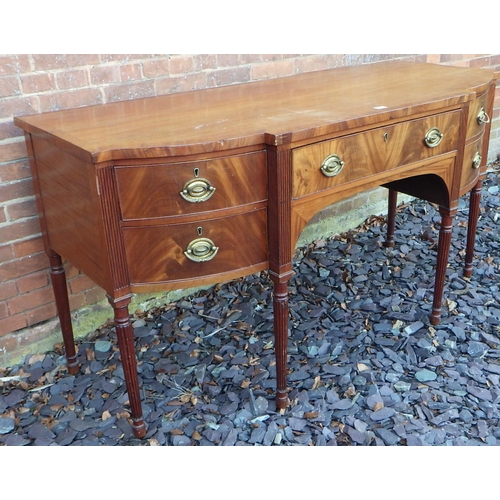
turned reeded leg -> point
(475, 198)
(280, 305)
(442, 262)
(125, 334)
(58, 278)
(391, 217)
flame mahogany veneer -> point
(201, 187)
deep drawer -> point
(155, 191)
(157, 254)
(369, 153)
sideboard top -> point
(275, 111)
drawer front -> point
(471, 166)
(155, 191)
(157, 254)
(372, 152)
(477, 117)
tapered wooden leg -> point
(280, 304)
(58, 278)
(125, 334)
(475, 198)
(391, 217)
(442, 262)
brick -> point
(19, 230)
(14, 190)
(60, 61)
(22, 209)
(228, 76)
(8, 130)
(272, 70)
(13, 149)
(77, 301)
(131, 72)
(70, 99)
(4, 312)
(313, 63)
(22, 267)
(3, 215)
(28, 247)
(30, 300)
(228, 60)
(80, 284)
(181, 83)
(37, 82)
(33, 281)
(6, 253)
(72, 79)
(15, 171)
(104, 74)
(12, 323)
(181, 65)
(9, 86)
(7, 290)
(128, 91)
(204, 61)
(22, 105)
(14, 64)
(155, 68)
(39, 314)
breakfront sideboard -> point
(206, 186)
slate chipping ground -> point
(366, 366)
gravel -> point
(366, 367)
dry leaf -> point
(378, 406)
(317, 380)
(362, 367)
(106, 415)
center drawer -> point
(214, 247)
(354, 157)
(165, 190)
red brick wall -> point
(38, 83)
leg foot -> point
(442, 262)
(391, 217)
(280, 304)
(126, 345)
(58, 278)
(475, 198)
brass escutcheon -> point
(201, 250)
(332, 165)
(197, 190)
(433, 137)
(476, 162)
(483, 117)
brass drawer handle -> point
(197, 190)
(201, 249)
(476, 162)
(433, 137)
(332, 165)
(483, 117)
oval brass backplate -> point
(476, 162)
(433, 137)
(332, 165)
(201, 250)
(197, 190)
(483, 117)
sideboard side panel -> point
(72, 219)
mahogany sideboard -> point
(202, 187)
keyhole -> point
(200, 230)
(386, 137)
(196, 172)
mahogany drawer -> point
(156, 191)
(369, 153)
(477, 116)
(471, 166)
(157, 253)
